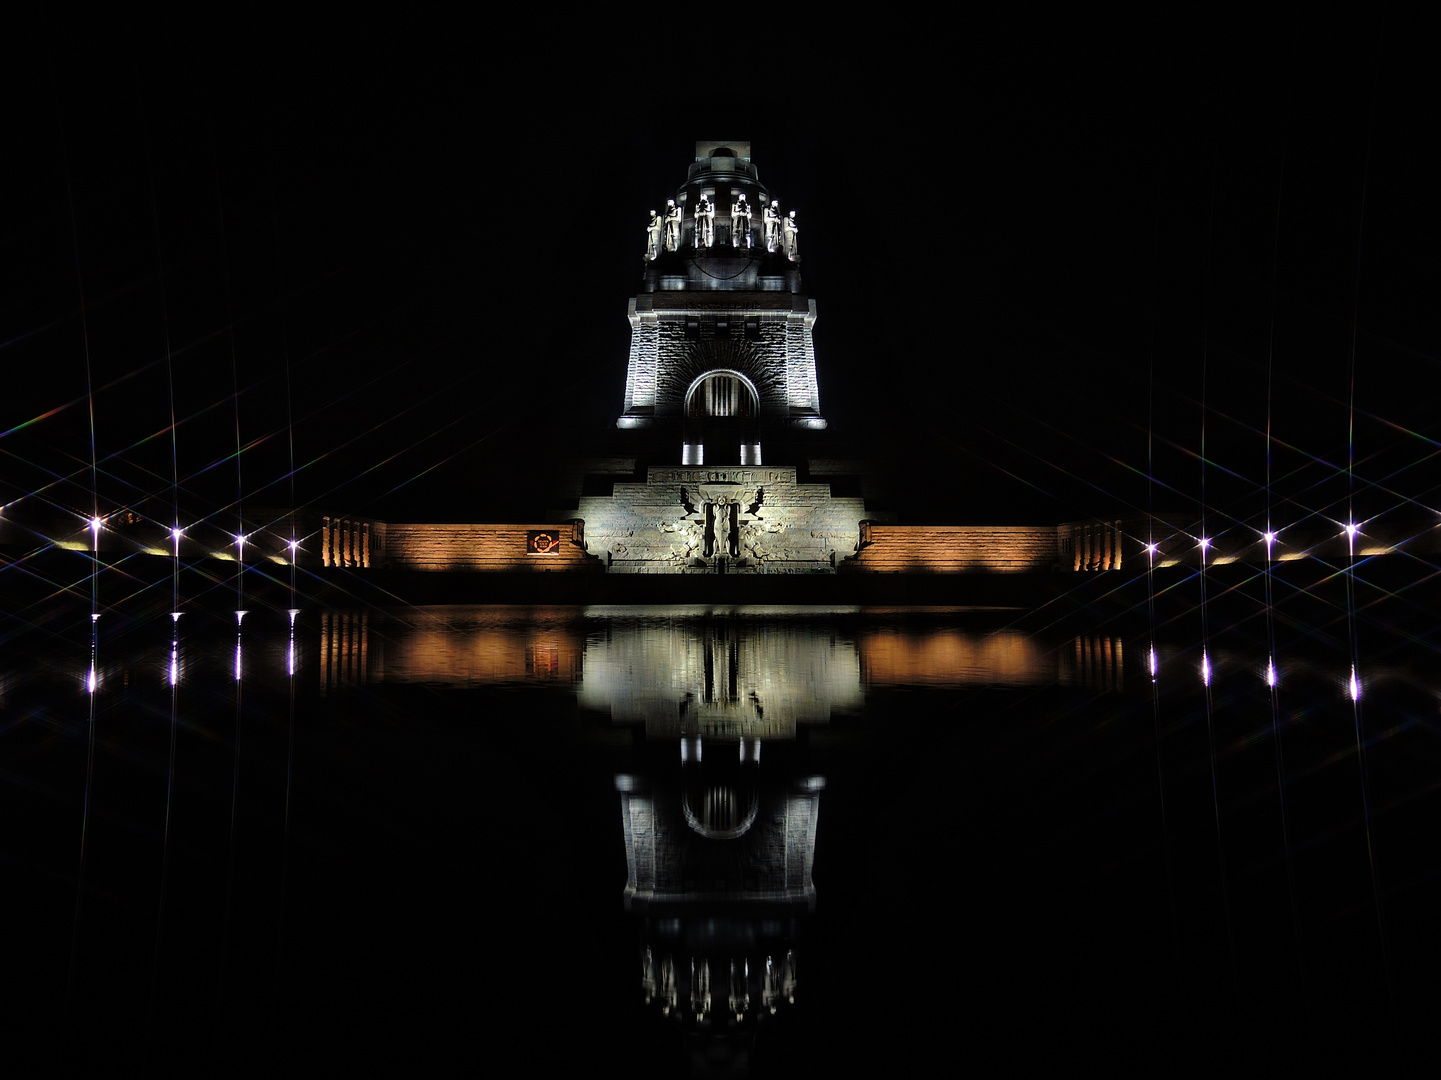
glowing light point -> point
(1270, 671)
(95, 616)
(240, 615)
(294, 548)
(175, 616)
(1205, 669)
(1351, 527)
(1151, 662)
(1270, 539)
(1152, 548)
(1354, 689)
(1205, 542)
(90, 682)
(292, 612)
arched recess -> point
(722, 420)
(722, 393)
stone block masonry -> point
(483, 548)
(679, 337)
(955, 549)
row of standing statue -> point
(777, 232)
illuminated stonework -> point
(689, 519)
(720, 301)
(720, 680)
(721, 353)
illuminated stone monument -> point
(719, 463)
(721, 356)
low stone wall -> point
(954, 549)
(493, 548)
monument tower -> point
(721, 331)
(721, 374)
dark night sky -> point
(1036, 246)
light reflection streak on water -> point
(174, 648)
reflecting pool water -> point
(714, 839)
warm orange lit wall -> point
(956, 549)
(479, 547)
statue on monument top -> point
(672, 225)
(772, 222)
(653, 241)
(741, 222)
(789, 232)
(704, 222)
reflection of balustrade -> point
(1094, 661)
(344, 642)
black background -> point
(1052, 253)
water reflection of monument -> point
(683, 672)
(719, 795)
(719, 855)
(722, 678)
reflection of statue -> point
(653, 232)
(772, 222)
(740, 222)
(789, 229)
(704, 222)
(672, 225)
